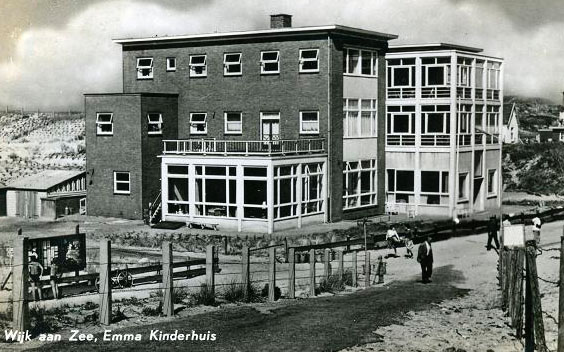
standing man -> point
(492, 234)
(425, 258)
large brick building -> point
(257, 130)
(254, 131)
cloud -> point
(53, 67)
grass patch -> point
(179, 295)
(235, 292)
(205, 296)
(335, 283)
(153, 311)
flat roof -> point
(259, 34)
(432, 46)
(44, 180)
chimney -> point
(280, 21)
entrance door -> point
(270, 126)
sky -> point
(54, 51)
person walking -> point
(492, 234)
(425, 258)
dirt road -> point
(320, 324)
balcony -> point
(435, 140)
(435, 92)
(401, 93)
(400, 139)
(235, 147)
(464, 93)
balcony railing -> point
(435, 92)
(401, 93)
(464, 93)
(492, 94)
(234, 147)
(434, 140)
(465, 139)
(400, 139)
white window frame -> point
(169, 67)
(464, 119)
(116, 182)
(158, 123)
(145, 67)
(226, 65)
(425, 119)
(269, 115)
(264, 62)
(302, 131)
(466, 190)
(304, 60)
(493, 183)
(493, 75)
(99, 132)
(361, 54)
(391, 78)
(411, 127)
(348, 113)
(194, 130)
(446, 75)
(353, 199)
(464, 72)
(226, 123)
(395, 192)
(492, 115)
(193, 66)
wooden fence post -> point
(245, 272)
(168, 282)
(225, 245)
(366, 269)
(292, 274)
(536, 300)
(561, 297)
(520, 302)
(272, 274)
(20, 286)
(312, 272)
(354, 269)
(327, 263)
(286, 254)
(341, 270)
(105, 282)
(210, 274)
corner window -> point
(232, 65)
(360, 62)
(122, 183)
(401, 119)
(309, 122)
(309, 60)
(145, 68)
(269, 62)
(154, 123)
(233, 123)
(492, 182)
(170, 64)
(198, 124)
(198, 66)
(104, 124)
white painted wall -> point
(11, 203)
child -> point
(35, 273)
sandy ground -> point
(474, 322)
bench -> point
(192, 224)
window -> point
(359, 183)
(493, 71)
(435, 119)
(401, 119)
(492, 182)
(360, 118)
(121, 182)
(198, 124)
(435, 71)
(492, 119)
(269, 62)
(400, 186)
(145, 68)
(254, 195)
(170, 64)
(232, 65)
(463, 186)
(215, 191)
(233, 123)
(464, 74)
(309, 60)
(312, 188)
(198, 67)
(401, 73)
(309, 122)
(155, 123)
(104, 124)
(360, 62)
(464, 117)
(434, 187)
(178, 190)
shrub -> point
(41, 322)
(235, 292)
(277, 292)
(90, 305)
(153, 311)
(332, 284)
(179, 295)
(204, 297)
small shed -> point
(49, 194)
(510, 128)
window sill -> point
(170, 70)
(493, 195)
(198, 76)
(233, 133)
(122, 193)
(232, 74)
(309, 133)
(104, 134)
(269, 73)
(465, 200)
(198, 133)
(154, 133)
(313, 71)
(144, 78)
(359, 75)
